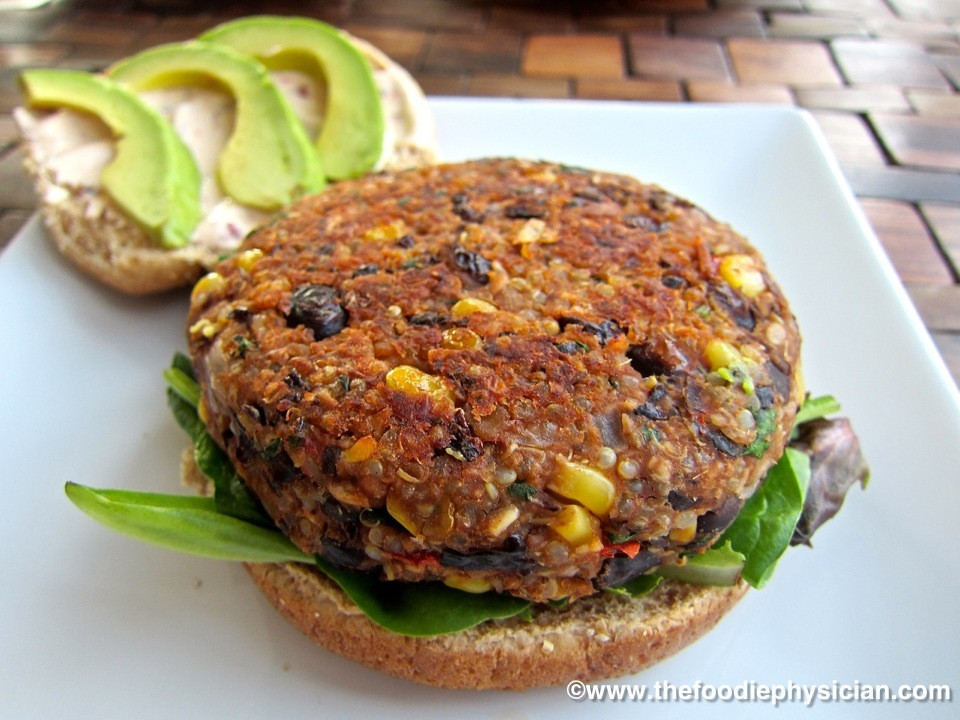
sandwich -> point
(149, 172)
(495, 424)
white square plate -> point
(93, 624)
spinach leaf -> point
(182, 383)
(184, 523)
(182, 363)
(420, 609)
(229, 492)
(185, 414)
(762, 530)
(638, 586)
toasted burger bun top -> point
(66, 150)
(501, 373)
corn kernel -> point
(587, 486)
(248, 258)
(742, 274)
(387, 232)
(535, 230)
(469, 306)
(502, 519)
(461, 339)
(398, 513)
(685, 528)
(203, 412)
(577, 526)
(206, 328)
(551, 326)
(467, 583)
(411, 381)
(721, 354)
(362, 449)
(211, 282)
(683, 535)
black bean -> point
(604, 330)
(464, 441)
(338, 514)
(716, 521)
(475, 264)
(651, 411)
(780, 379)
(764, 395)
(524, 211)
(502, 560)
(343, 556)
(282, 471)
(328, 460)
(643, 222)
(663, 200)
(722, 442)
(464, 211)
(658, 392)
(617, 193)
(406, 242)
(428, 318)
(469, 448)
(256, 412)
(679, 501)
(318, 308)
(590, 193)
(240, 314)
(572, 346)
(674, 282)
(646, 362)
(734, 305)
(620, 568)
(366, 270)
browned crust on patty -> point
(585, 349)
(594, 638)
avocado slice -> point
(268, 161)
(152, 177)
(351, 139)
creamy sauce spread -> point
(74, 147)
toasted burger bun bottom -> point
(602, 636)
(598, 637)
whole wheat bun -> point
(598, 637)
(100, 239)
(602, 636)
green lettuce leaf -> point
(762, 530)
(814, 408)
(720, 565)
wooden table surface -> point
(881, 77)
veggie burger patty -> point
(500, 374)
